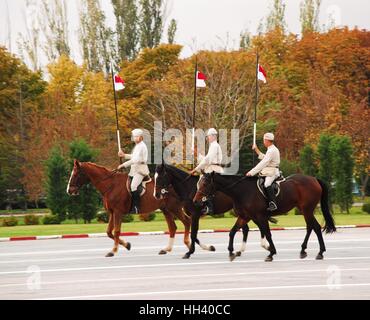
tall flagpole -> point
(115, 104)
(255, 109)
(194, 105)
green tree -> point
(343, 165)
(309, 15)
(171, 32)
(308, 161)
(95, 37)
(56, 183)
(151, 23)
(127, 28)
(324, 151)
(86, 204)
(276, 17)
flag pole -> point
(255, 109)
(194, 105)
(117, 125)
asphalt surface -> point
(77, 269)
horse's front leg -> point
(114, 225)
(245, 229)
(172, 230)
(194, 233)
(232, 233)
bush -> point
(10, 222)
(127, 218)
(31, 220)
(52, 219)
(366, 208)
(147, 216)
(102, 217)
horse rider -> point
(139, 168)
(268, 167)
(210, 163)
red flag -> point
(201, 83)
(119, 83)
(262, 74)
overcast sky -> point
(202, 24)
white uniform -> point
(138, 162)
(269, 165)
(212, 161)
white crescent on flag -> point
(201, 80)
(262, 74)
(119, 83)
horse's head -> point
(162, 182)
(77, 180)
(206, 189)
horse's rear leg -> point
(303, 253)
(317, 229)
(172, 230)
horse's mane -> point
(96, 165)
(178, 173)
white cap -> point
(137, 133)
(269, 136)
(211, 132)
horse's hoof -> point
(109, 254)
(128, 246)
(212, 248)
(232, 257)
(162, 252)
(186, 256)
(269, 259)
(303, 255)
(238, 253)
(319, 257)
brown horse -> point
(303, 192)
(117, 202)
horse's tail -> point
(329, 221)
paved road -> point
(77, 269)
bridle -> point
(82, 173)
(164, 188)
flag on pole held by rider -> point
(262, 74)
(119, 83)
(201, 80)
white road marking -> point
(345, 285)
(189, 264)
(197, 275)
(159, 247)
(129, 255)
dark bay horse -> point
(117, 201)
(303, 192)
(185, 187)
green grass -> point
(159, 224)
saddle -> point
(141, 188)
(275, 185)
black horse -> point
(185, 186)
(303, 192)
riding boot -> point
(271, 199)
(209, 207)
(135, 202)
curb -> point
(151, 233)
